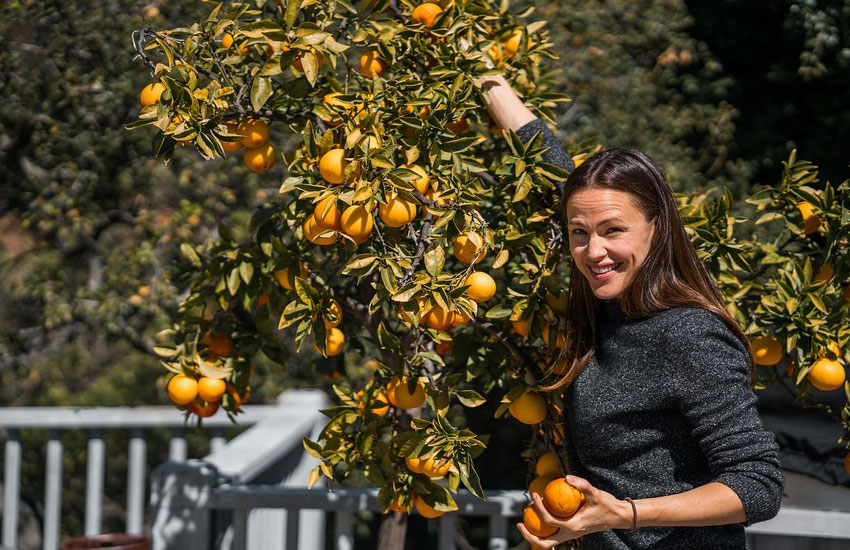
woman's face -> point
(609, 238)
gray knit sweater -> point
(663, 407)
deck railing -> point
(274, 430)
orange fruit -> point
(414, 464)
(397, 506)
(332, 166)
(151, 93)
(211, 389)
(825, 272)
(371, 65)
(811, 221)
(562, 499)
(511, 45)
(459, 318)
(547, 465)
(439, 200)
(458, 126)
(538, 484)
(444, 348)
(426, 14)
(327, 214)
(432, 467)
(396, 212)
(425, 510)
(438, 318)
(535, 525)
(357, 222)
(238, 400)
(401, 397)
(286, 277)
(766, 350)
(380, 411)
(521, 327)
(422, 183)
(482, 287)
(260, 158)
(334, 341)
(847, 463)
(182, 390)
(226, 40)
(232, 128)
(312, 232)
(465, 250)
(334, 311)
(529, 408)
(204, 409)
(827, 374)
(255, 130)
(218, 343)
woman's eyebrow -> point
(615, 219)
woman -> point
(662, 434)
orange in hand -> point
(562, 499)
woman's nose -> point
(596, 248)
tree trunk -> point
(392, 532)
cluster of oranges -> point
(825, 374)
(259, 154)
(202, 395)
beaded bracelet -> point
(634, 513)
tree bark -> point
(392, 532)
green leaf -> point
(261, 90)
(246, 271)
(290, 16)
(470, 398)
(435, 258)
(190, 254)
(233, 281)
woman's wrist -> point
(626, 515)
(506, 108)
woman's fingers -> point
(536, 542)
(581, 484)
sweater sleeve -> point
(555, 154)
(710, 375)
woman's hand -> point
(506, 109)
(600, 511)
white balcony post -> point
(180, 498)
(53, 491)
(136, 463)
(343, 530)
(217, 441)
(95, 470)
(177, 446)
(446, 539)
(11, 489)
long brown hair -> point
(670, 276)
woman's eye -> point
(614, 229)
(578, 232)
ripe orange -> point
(811, 221)
(260, 158)
(459, 318)
(458, 126)
(562, 499)
(218, 343)
(521, 327)
(825, 272)
(182, 390)
(547, 465)
(255, 130)
(151, 93)
(444, 348)
(204, 409)
(529, 408)
(425, 510)
(380, 411)
(426, 14)
(482, 287)
(286, 277)
(766, 350)
(400, 396)
(335, 311)
(357, 222)
(511, 45)
(397, 506)
(334, 341)
(232, 128)
(327, 214)
(238, 400)
(432, 467)
(332, 166)
(422, 183)
(227, 40)
(438, 198)
(414, 464)
(396, 212)
(465, 250)
(438, 318)
(539, 484)
(535, 525)
(312, 232)
(827, 374)
(211, 389)
(371, 65)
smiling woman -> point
(662, 435)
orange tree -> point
(402, 214)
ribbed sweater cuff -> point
(757, 497)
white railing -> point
(274, 432)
